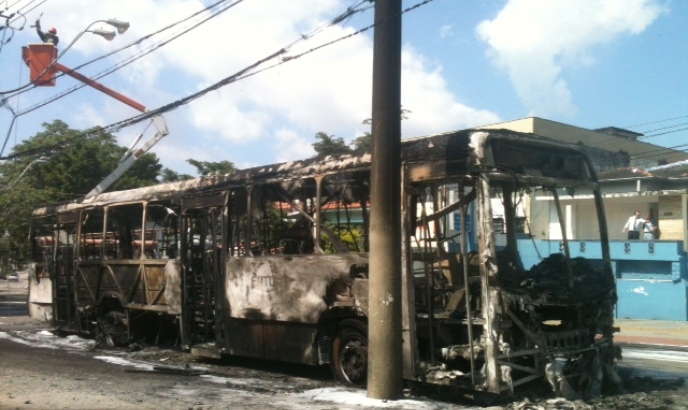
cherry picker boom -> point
(43, 65)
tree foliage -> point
(330, 145)
(168, 175)
(64, 164)
(212, 168)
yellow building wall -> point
(670, 217)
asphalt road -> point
(40, 371)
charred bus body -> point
(272, 263)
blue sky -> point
(589, 63)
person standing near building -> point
(634, 225)
(650, 231)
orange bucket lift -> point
(40, 58)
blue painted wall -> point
(648, 299)
(652, 277)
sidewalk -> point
(652, 333)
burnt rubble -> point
(548, 281)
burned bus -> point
(501, 287)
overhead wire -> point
(121, 64)
(221, 83)
(136, 42)
(244, 73)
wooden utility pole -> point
(384, 328)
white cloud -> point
(536, 41)
(328, 90)
(433, 108)
(290, 146)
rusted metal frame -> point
(160, 292)
(348, 226)
(542, 181)
(248, 232)
(140, 279)
(149, 308)
(526, 369)
(183, 252)
(88, 288)
(602, 222)
(521, 381)
(335, 239)
(141, 272)
(490, 296)
(109, 270)
(464, 200)
(508, 192)
(209, 271)
(461, 202)
(219, 287)
(518, 353)
(411, 360)
(318, 195)
(608, 327)
(429, 278)
(346, 212)
(564, 235)
(533, 337)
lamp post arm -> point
(100, 87)
(131, 156)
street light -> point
(35, 161)
(121, 27)
(106, 34)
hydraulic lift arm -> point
(132, 154)
(41, 59)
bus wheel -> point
(350, 353)
(113, 326)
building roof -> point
(642, 153)
(676, 170)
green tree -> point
(330, 145)
(168, 175)
(63, 164)
(363, 143)
(212, 168)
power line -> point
(244, 73)
(121, 64)
(239, 75)
(31, 84)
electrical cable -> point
(136, 42)
(239, 75)
(242, 74)
(120, 65)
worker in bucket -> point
(50, 37)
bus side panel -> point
(290, 342)
(294, 288)
(137, 284)
(282, 341)
(243, 338)
(274, 304)
(40, 295)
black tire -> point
(349, 361)
(114, 329)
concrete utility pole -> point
(384, 328)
